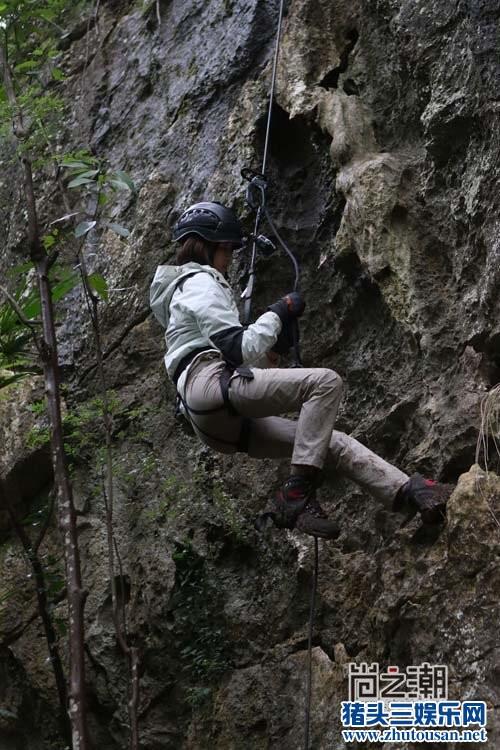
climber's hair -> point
(195, 249)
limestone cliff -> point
(384, 175)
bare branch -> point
(31, 552)
(131, 653)
(45, 525)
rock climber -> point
(233, 393)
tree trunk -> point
(65, 506)
(66, 516)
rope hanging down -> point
(273, 85)
(256, 198)
(258, 184)
(309, 646)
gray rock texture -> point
(384, 178)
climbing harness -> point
(225, 378)
(256, 199)
(225, 384)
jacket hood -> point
(166, 281)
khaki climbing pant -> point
(311, 440)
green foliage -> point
(32, 30)
(50, 239)
(99, 284)
(90, 174)
(229, 513)
(27, 16)
(185, 503)
(175, 497)
(63, 281)
(82, 428)
(199, 627)
(31, 33)
(38, 437)
(44, 111)
(16, 345)
(15, 338)
(198, 696)
(84, 431)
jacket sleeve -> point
(217, 318)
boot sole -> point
(317, 527)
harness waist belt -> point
(185, 361)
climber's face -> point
(223, 256)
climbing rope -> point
(256, 193)
(285, 248)
(273, 85)
(256, 199)
(309, 646)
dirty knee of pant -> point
(327, 379)
(355, 461)
(321, 380)
(333, 381)
(339, 445)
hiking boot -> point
(296, 507)
(314, 521)
(291, 499)
(426, 496)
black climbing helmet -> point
(212, 221)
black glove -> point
(284, 342)
(288, 337)
(289, 307)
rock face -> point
(383, 166)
